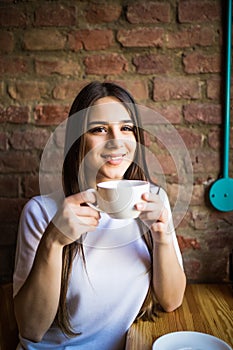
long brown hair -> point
(73, 180)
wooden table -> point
(207, 308)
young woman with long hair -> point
(81, 278)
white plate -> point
(189, 341)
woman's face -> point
(110, 143)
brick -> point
(18, 162)
(172, 113)
(95, 39)
(215, 272)
(188, 243)
(28, 90)
(8, 237)
(215, 138)
(13, 16)
(55, 15)
(137, 88)
(193, 11)
(147, 139)
(105, 64)
(192, 36)
(201, 180)
(199, 63)
(51, 166)
(175, 189)
(103, 13)
(68, 90)
(7, 254)
(166, 89)
(191, 138)
(6, 42)
(152, 64)
(154, 167)
(141, 37)
(43, 40)
(50, 114)
(220, 239)
(222, 219)
(214, 88)
(169, 113)
(15, 114)
(198, 195)
(204, 113)
(2, 114)
(199, 218)
(31, 186)
(3, 141)
(9, 186)
(205, 161)
(54, 66)
(59, 136)
(29, 139)
(183, 222)
(13, 66)
(11, 209)
(167, 164)
(2, 91)
(148, 12)
(52, 181)
(192, 268)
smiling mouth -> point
(117, 157)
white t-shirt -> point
(104, 299)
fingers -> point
(76, 214)
(155, 216)
(77, 203)
(152, 209)
(74, 219)
(83, 211)
(88, 223)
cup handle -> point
(96, 207)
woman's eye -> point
(98, 130)
(129, 128)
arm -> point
(169, 280)
(37, 301)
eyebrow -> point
(97, 122)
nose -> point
(114, 139)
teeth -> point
(114, 158)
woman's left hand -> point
(155, 215)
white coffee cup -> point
(117, 198)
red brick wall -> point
(169, 54)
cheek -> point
(132, 145)
(90, 145)
(92, 153)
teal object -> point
(221, 192)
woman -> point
(80, 278)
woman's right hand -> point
(74, 218)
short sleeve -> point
(33, 222)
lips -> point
(114, 159)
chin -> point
(111, 176)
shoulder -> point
(40, 208)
